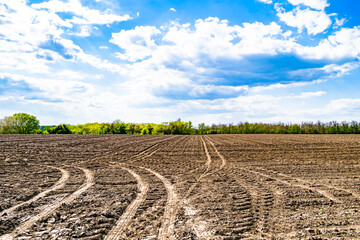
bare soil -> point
(179, 187)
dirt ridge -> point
(51, 208)
(59, 184)
(124, 220)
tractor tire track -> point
(155, 146)
(242, 200)
(207, 164)
(119, 231)
(130, 211)
(223, 160)
(50, 209)
(262, 200)
(59, 184)
(299, 185)
(166, 230)
(356, 195)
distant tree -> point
(201, 128)
(130, 129)
(279, 130)
(150, 128)
(294, 129)
(59, 129)
(145, 131)
(119, 127)
(20, 123)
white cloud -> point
(27, 36)
(172, 9)
(85, 31)
(178, 66)
(315, 4)
(137, 43)
(344, 43)
(57, 89)
(258, 38)
(24, 25)
(345, 109)
(314, 21)
(281, 85)
(266, 1)
(172, 70)
(340, 70)
(339, 22)
(344, 105)
(217, 40)
(310, 94)
(83, 15)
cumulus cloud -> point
(83, 15)
(172, 9)
(85, 31)
(50, 89)
(339, 22)
(211, 66)
(137, 43)
(315, 4)
(190, 62)
(344, 43)
(344, 105)
(33, 35)
(25, 25)
(344, 109)
(314, 22)
(218, 40)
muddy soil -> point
(180, 187)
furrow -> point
(130, 211)
(59, 184)
(50, 209)
(166, 230)
(299, 185)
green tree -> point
(59, 129)
(201, 128)
(294, 129)
(20, 123)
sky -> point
(211, 61)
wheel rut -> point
(59, 184)
(151, 149)
(305, 182)
(223, 160)
(172, 206)
(261, 198)
(300, 184)
(207, 165)
(231, 203)
(51, 208)
(117, 231)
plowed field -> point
(179, 187)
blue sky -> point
(73, 61)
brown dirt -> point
(180, 187)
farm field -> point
(179, 187)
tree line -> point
(22, 123)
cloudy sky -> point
(77, 61)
